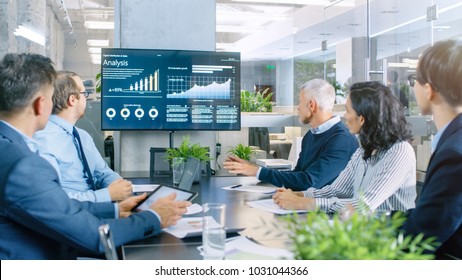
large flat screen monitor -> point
(145, 89)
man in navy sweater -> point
(326, 147)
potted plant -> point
(358, 237)
(187, 149)
(259, 101)
(242, 151)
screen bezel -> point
(191, 196)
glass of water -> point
(177, 168)
(214, 234)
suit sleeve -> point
(439, 209)
(322, 171)
(34, 198)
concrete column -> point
(8, 23)
(31, 13)
(160, 24)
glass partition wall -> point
(350, 41)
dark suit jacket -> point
(439, 209)
(37, 218)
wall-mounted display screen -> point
(144, 89)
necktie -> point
(86, 168)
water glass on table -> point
(214, 233)
(177, 168)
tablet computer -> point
(163, 191)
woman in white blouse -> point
(381, 174)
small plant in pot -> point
(242, 151)
(187, 149)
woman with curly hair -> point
(380, 175)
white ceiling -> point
(278, 31)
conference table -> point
(261, 226)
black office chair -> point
(108, 242)
(159, 166)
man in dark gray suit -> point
(37, 219)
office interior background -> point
(282, 45)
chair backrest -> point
(108, 242)
(159, 166)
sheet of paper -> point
(270, 206)
(252, 188)
(194, 209)
(192, 226)
(139, 188)
(242, 248)
(187, 227)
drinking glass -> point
(214, 234)
(177, 167)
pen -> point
(235, 186)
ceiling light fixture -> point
(29, 34)
(99, 24)
(237, 29)
(98, 43)
(344, 3)
(225, 46)
(94, 50)
(225, 15)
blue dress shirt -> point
(57, 145)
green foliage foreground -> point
(360, 237)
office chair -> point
(108, 242)
(159, 166)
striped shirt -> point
(384, 182)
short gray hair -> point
(320, 91)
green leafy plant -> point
(360, 237)
(259, 101)
(187, 149)
(242, 151)
(98, 83)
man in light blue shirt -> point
(84, 175)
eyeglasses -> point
(412, 79)
(85, 93)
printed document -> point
(270, 206)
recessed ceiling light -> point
(94, 50)
(99, 24)
(98, 43)
(30, 34)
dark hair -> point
(441, 67)
(65, 86)
(21, 77)
(384, 120)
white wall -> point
(160, 24)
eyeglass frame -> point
(85, 93)
(412, 78)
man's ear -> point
(312, 105)
(38, 105)
(71, 100)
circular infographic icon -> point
(110, 113)
(153, 113)
(139, 113)
(125, 113)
